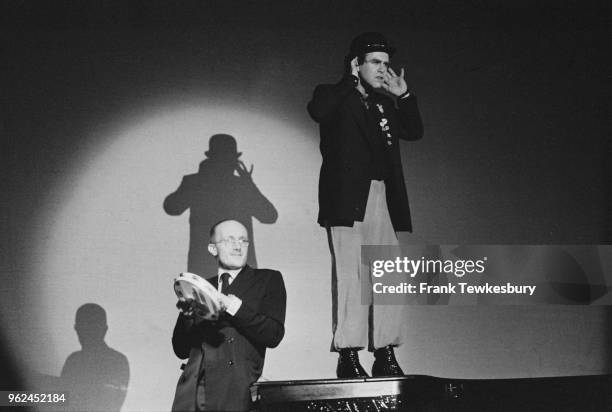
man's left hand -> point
(394, 84)
(229, 303)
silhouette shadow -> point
(97, 375)
(222, 189)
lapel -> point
(359, 115)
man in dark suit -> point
(362, 195)
(227, 355)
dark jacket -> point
(228, 354)
(346, 147)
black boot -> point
(349, 366)
(385, 363)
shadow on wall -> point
(222, 189)
(97, 376)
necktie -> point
(224, 282)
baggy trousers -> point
(351, 325)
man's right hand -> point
(192, 309)
(186, 307)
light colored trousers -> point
(351, 324)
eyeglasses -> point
(230, 241)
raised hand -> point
(394, 84)
(243, 171)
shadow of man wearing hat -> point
(362, 195)
(222, 188)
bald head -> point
(229, 243)
(227, 224)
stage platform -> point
(431, 394)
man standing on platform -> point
(362, 195)
(227, 355)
